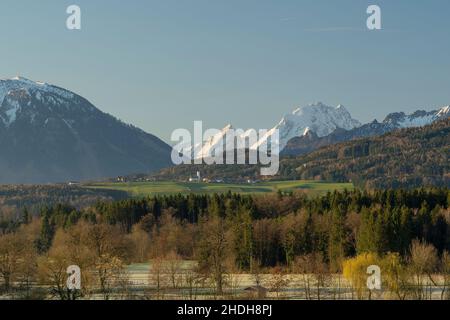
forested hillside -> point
(16, 197)
(405, 158)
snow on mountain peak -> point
(15, 89)
(444, 111)
(341, 107)
(307, 130)
(18, 82)
(28, 81)
(318, 118)
(417, 119)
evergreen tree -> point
(337, 238)
(46, 235)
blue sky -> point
(162, 64)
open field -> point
(179, 280)
(142, 189)
(295, 286)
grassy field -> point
(142, 189)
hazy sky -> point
(162, 64)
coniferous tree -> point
(46, 235)
(337, 238)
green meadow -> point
(142, 189)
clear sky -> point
(162, 64)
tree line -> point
(226, 233)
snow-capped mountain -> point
(49, 134)
(318, 118)
(216, 142)
(317, 125)
(18, 94)
(394, 121)
(419, 118)
(213, 143)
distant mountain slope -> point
(310, 142)
(410, 157)
(49, 134)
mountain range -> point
(310, 141)
(317, 117)
(50, 134)
(317, 125)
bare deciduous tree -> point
(423, 263)
(16, 255)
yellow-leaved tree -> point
(355, 271)
(395, 276)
